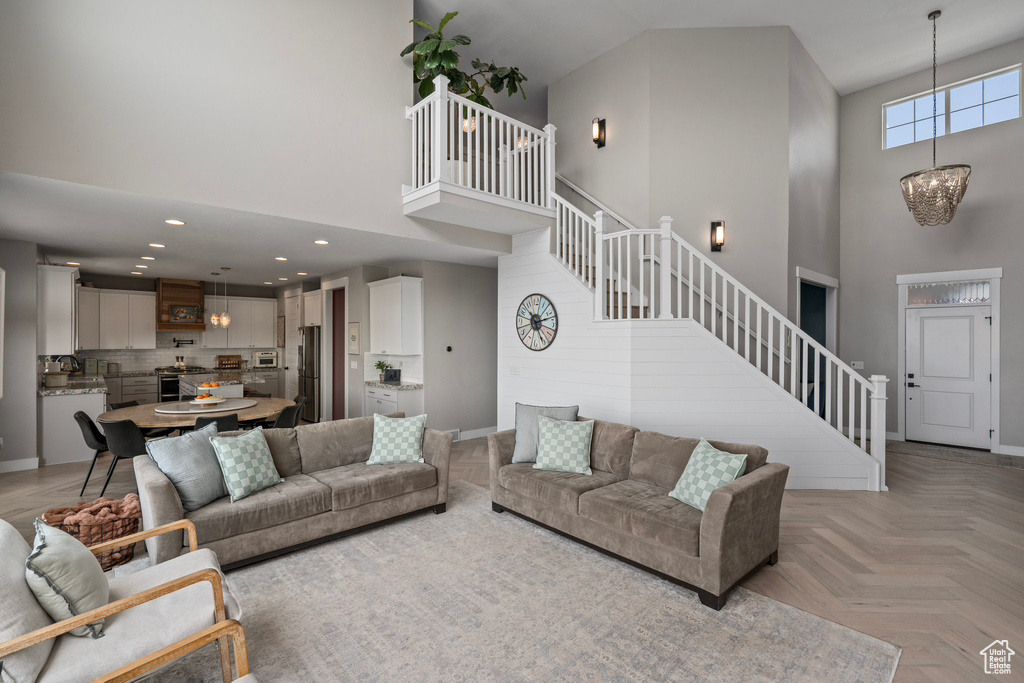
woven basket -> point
(94, 534)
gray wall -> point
(18, 405)
(880, 239)
(813, 170)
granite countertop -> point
(404, 386)
(226, 378)
(259, 369)
(135, 373)
(77, 385)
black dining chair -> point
(225, 423)
(124, 441)
(289, 417)
(94, 439)
(152, 433)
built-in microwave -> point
(265, 359)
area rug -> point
(472, 595)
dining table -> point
(146, 417)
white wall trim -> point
(327, 345)
(1008, 450)
(817, 278)
(18, 465)
(477, 433)
(973, 274)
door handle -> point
(912, 385)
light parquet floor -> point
(935, 565)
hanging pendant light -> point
(933, 194)
(215, 317)
(225, 317)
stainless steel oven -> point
(265, 359)
(167, 380)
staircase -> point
(637, 276)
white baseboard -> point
(19, 465)
(892, 436)
(1008, 450)
(476, 433)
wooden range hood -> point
(180, 294)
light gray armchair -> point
(148, 611)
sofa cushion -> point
(297, 497)
(708, 470)
(564, 446)
(360, 483)
(339, 442)
(190, 462)
(558, 489)
(611, 447)
(246, 463)
(645, 511)
(659, 459)
(284, 449)
(20, 612)
(397, 439)
(528, 427)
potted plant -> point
(382, 366)
(435, 55)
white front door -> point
(948, 382)
(292, 322)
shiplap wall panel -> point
(667, 376)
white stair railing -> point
(461, 143)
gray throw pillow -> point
(190, 462)
(66, 578)
(528, 427)
(20, 612)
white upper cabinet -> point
(264, 324)
(127, 320)
(55, 321)
(88, 318)
(312, 311)
(253, 323)
(396, 316)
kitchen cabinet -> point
(113, 390)
(127, 319)
(312, 308)
(384, 401)
(215, 337)
(55, 319)
(253, 323)
(396, 316)
(141, 389)
(88, 317)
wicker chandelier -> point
(933, 194)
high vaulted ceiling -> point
(856, 43)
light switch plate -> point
(514, 372)
(857, 364)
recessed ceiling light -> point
(135, 272)
(139, 265)
(174, 221)
(280, 258)
(156, 246)
(268, 283)
(320, 242)
(283, 279)
(295, 273)
(73, 263)
(148, 258)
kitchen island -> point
(60, 439)
(232, 384)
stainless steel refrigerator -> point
(309, 372)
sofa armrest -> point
(740, 526)
(437, 451)
(500, 447)
(160, 505)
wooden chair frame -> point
(211, 576)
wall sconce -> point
(599, 133)
(717, 235)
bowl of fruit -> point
(207, 399)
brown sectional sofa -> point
(624, 509)
(328, 489)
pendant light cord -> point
(934, 94)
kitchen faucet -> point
(76, 365)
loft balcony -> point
(474, 167)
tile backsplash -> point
(132, 360)
(411, 366)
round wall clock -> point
(537, 322)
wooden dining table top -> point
(147, 418)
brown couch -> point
(328, 489)
(624, 509)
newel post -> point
(439, 138)
(878, 399)
(665, 296)
(549, 161)
(599, 286)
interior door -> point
(949, 353)
(291, 345)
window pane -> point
(1003, 110)
(900, 135)
(923, 106)
(965, 119)
(899, 114)
(924, 128)
(998, 87)
(965, 96)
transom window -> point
(980, 101)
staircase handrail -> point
(583, 193)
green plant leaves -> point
(444, 22)
(422, 24)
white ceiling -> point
(107, 231)
(856, 43)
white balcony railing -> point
(456, 142)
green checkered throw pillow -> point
(564, 446)
(246, 463)
(397, 439)
(707, 470)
